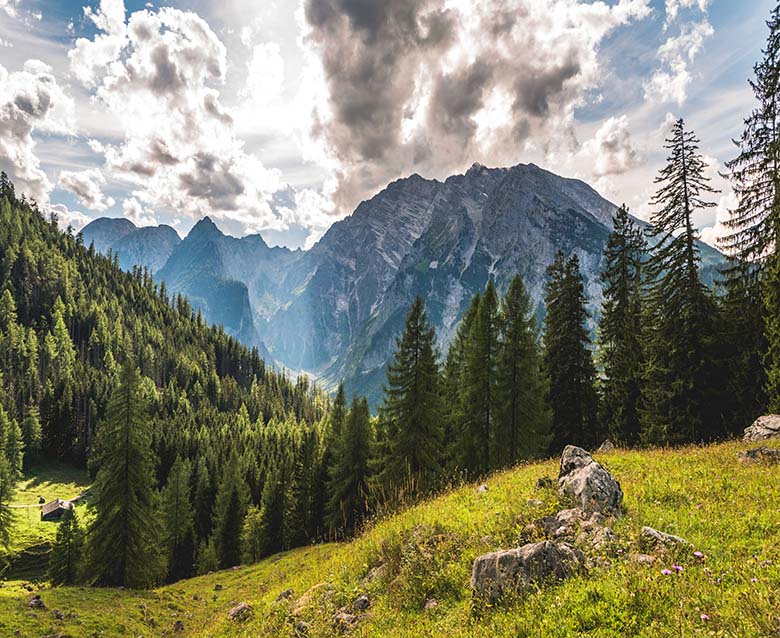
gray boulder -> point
(654, 537)
(763, 428)
(593, 488)
(516, 570)
(761, 454)
(241, 612)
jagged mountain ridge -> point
(336, 310)
(148, 246)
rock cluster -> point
(241, 612)
(761, 454)
(591, 486)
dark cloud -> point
(212, 179)
(457, 97)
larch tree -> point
(620, 330)
(523, 418)
(229, 510)
(411, 414)
(65, 561)
(680, 398)
(125, 538)
(753, 229)
(571, 392)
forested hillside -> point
(71, 321)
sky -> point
(279, 117)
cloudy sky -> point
(280, 116)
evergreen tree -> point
(66, 555)
(411, 413)
(229, 511)
(681, 388)
(568, 361)
(252, 545)
(31, 431)
(523, 423)
(620, 330)
(13, 443)
(125, 537)
(272, 515)
(480, 384)
(348, 483)
(204, 500)
(6, 493)
(178, 518)
(754, 226)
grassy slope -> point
(728, 510)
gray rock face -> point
(515, 570)
(593, 488)
(763, 428)
(241, 612)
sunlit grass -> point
(728, 510)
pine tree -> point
(681, 393)
(411, 413)
(480, 384)
(13, 443)
(178, 518)
(523, 418)
(252, 546)
(125, 537)
(620, 330)
(66, 555)
(229, 511)
(6, 493)
(348, 483)
(754, 225)
(204, 500)
(568, 361)
(31, 431)
(272, 514)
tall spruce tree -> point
(66, 555)
(348, 482)
(6, 493)
(480, 380)
(753, 235)
(229, 511)
(178, 516)
(568, 362)
(681, 387)
(125, 536)
(620, 330)
(522, 428)
(411, 413)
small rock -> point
(241, 612)
(195, 597)
(361, 603)
(36, 603)
(544, 483)
(644, 559)
(178, 627)
(29, 587)
(344, 621)
(285, 595)
(654, 537)
(760, 454)
(482, 488)
(431, 604)
(217, 587)
(592, 487)
(302, 628)
(375, 573)
(607, 446)
(763, 428)
(58, 614)
(214, 598)
(495, 574)
(534, 502)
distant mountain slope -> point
(104, 232)
(149, 246)
(336, 309)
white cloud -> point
(673, 8)
(612, 150)
(87, 185)
(265, 74)
(670, 82)
(136, 213)
(9, 7)
(712, 234)
(159, 75)
(433, 85)
(30, 101)
(66, 217)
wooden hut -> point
(53, 511)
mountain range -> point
(336, 310)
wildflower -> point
(754, 580)
(705, 617)
(677, 568)
(666, 572)
(698, 554)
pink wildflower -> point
(698, 554)
(677, 568)
(705, 617)
(666, 572)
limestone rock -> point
(482, 488)
(285, 595)
(593, 488)
(241, 612)
(36, 603)
(655, 537)
(431, 604)
(761, 454)
(763, 428)
(515, 570)
(607, 446)
(361, 603)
